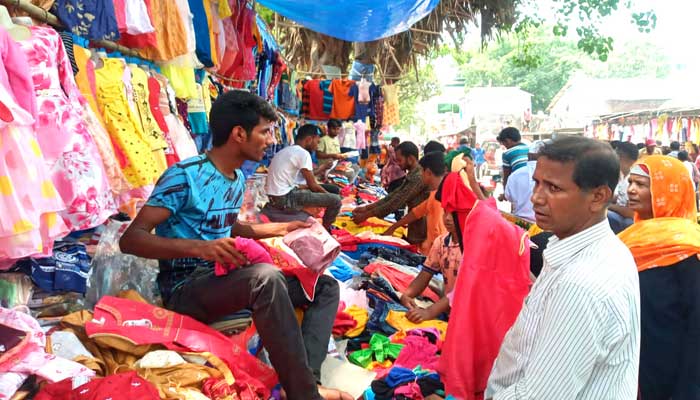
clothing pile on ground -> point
(98, 317)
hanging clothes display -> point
(28, 197)
(63, 136)
(391, 105)
(138, 164)
(91, 19)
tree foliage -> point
(541, 63)
(416, 87)
(585, 17)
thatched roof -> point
(308, 50)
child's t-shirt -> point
(444, 258)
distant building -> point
(584, 99)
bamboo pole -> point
(45, 16)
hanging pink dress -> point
(28, 198)
(68, 147)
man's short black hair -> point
(683, 156)
(433, 146)
(334, 123)
(627, 150)
(237, 108)
(615, 143)
(306, 131)
(641, 145)
(675, 146)
(509, 133)
(395, 139)
(463, 141)
(434, 162)
(595, 162)
(408, 149)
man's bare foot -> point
(333, 394)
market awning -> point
(354, 20)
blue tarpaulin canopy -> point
(354, 20)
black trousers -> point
(296, 352)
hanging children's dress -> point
(68, 147)
(28, 197)
(138, 164)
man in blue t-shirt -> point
(194, 210)
(516, 155)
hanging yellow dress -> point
(149, 125)
(136, 161)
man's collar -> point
(558, 252)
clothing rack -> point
(40, 14)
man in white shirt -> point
(520, 185)
(291, 185)
(577, 335)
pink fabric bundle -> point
(314, 246)
(417, 351)
(253, 251)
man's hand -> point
(389, 232)
(360, 216)
(339, 156)
(222, 251)
(502, 197)
(294, 225)
(408, 302)
(469, 167)
(418, 315)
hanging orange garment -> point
(171, 36)
(673, 234)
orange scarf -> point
(673, 234)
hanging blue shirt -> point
(201, 32)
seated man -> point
(291, 185)
(193, 210)
(411, 193)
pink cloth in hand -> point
(253, 251)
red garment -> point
(124, 386)
(291, 267)
(243, 67)
(154, 88)
(488, 295)
(343, 321)
(399, 280)
(120, 14)
(313, 89)
(143, 323)
(277, 70)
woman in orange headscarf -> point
(665, 243)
